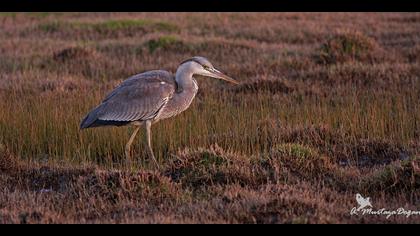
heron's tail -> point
(91, 120)
(86, 122)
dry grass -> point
(328, 106)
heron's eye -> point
(206, 67)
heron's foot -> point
(152, 156)
(156, 163)
(128, 161)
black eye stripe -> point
(191, 59)
(196, 61)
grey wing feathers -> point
(138, 98)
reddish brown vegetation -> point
(292, 184)
(328, 107)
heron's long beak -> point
(219, 75)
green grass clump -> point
(348, 46)
(54, 26)
(301, 159)
(214, 166)
(40, 15)
(8, 14)
(296, 150)
(165, 42)
(7, 161)
(109, 26)
(119, 24)
(400, 176)
(133, 24)
(209, 158)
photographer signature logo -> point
(365, 208)
(363, 202)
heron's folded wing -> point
(138, 98)
(141, 101)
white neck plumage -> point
(184, 77)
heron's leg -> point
(149, 141)
(130, 141)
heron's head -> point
(202, 66)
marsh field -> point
(328, 106)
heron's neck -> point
(184, 79)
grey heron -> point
(146, 98)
